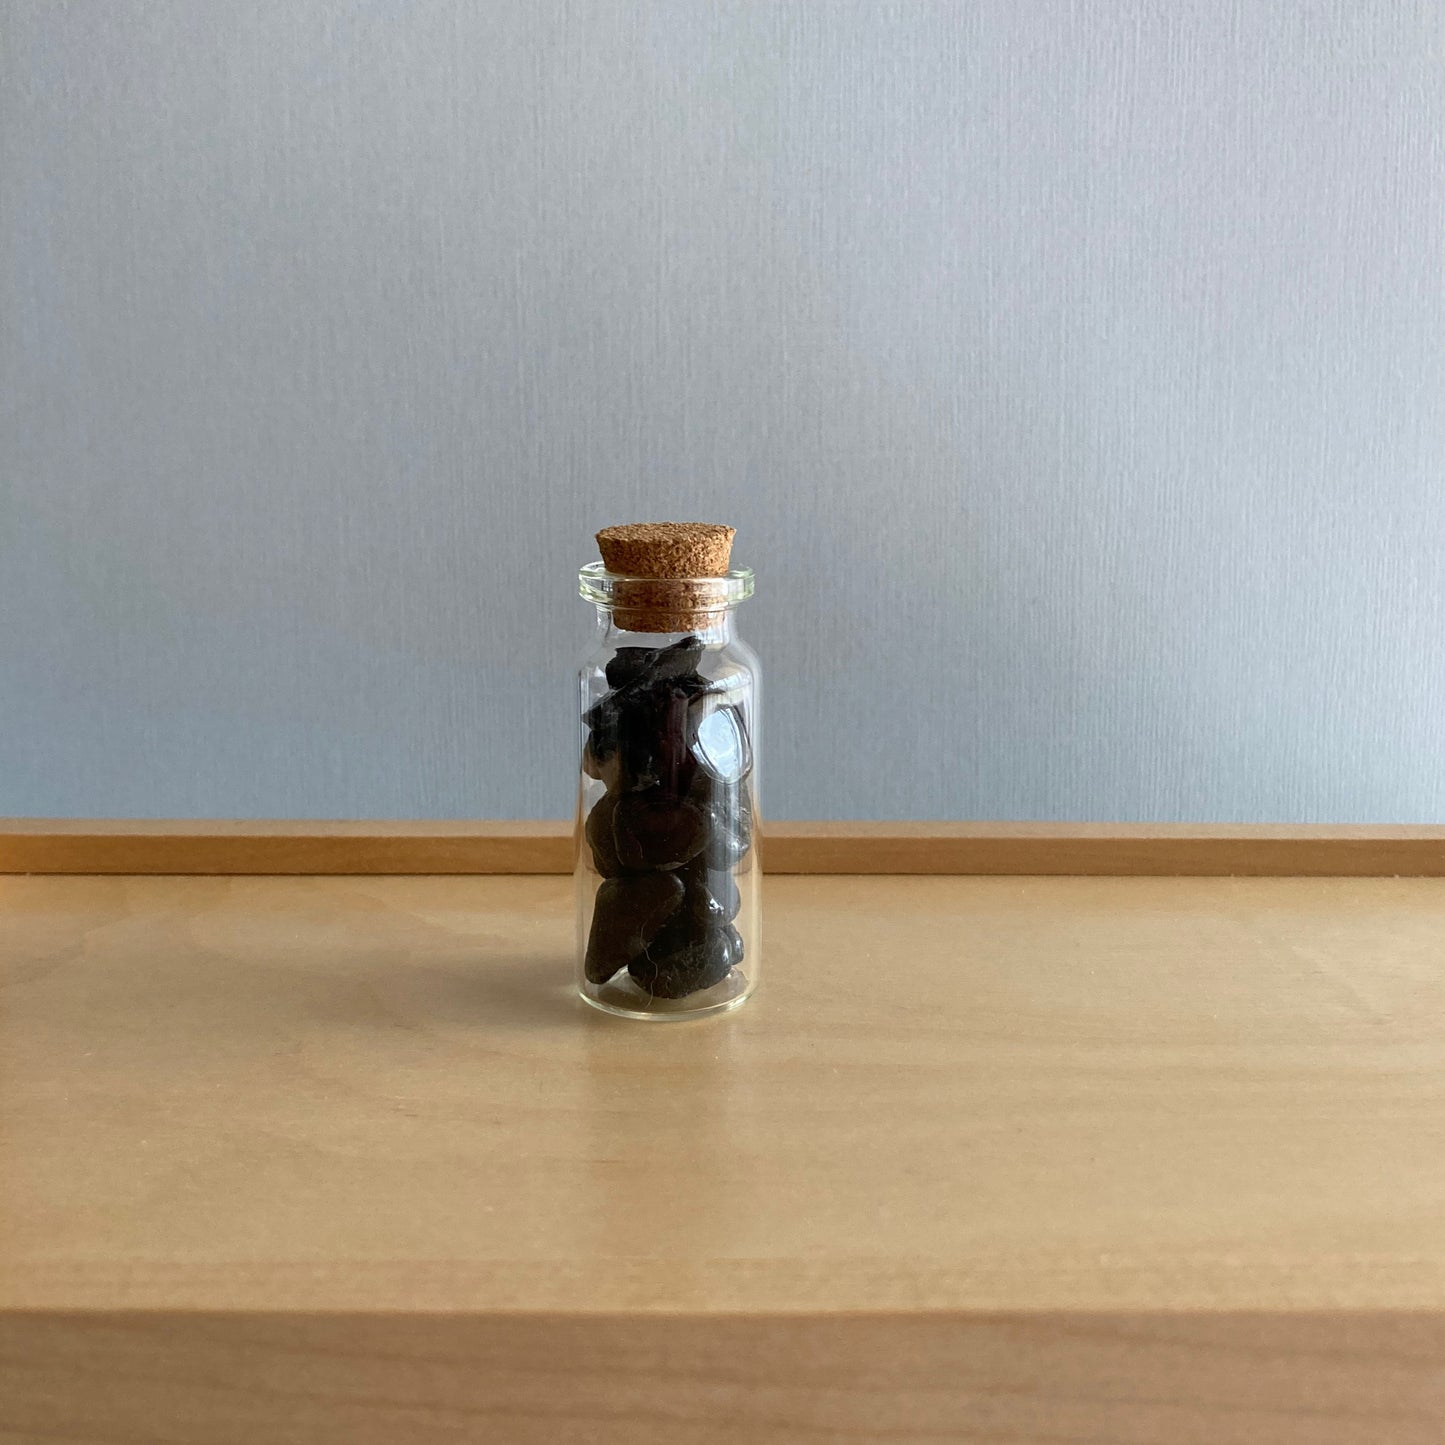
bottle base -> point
(625, 1000)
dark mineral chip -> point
(655, 830)
(601, 838)
(631, 665)
(712, 897)
(683, 959)
(729, 812)
(626, 916)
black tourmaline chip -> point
(728, 809)
(635, 732)
(655, 830)
(626, 917)
(608, 772)
(602, 720)
(641, 735)
(654, 664)
(601, 838)
(672, 759)
(712, 897)
(682, 960)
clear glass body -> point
(669, 903)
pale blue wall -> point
(1074, 375)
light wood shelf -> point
(340, 1159)
(228, 846)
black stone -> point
(729, 811)
(683, 959)
(626, 916)
(673, 763)
(712, 897)
(654, 664)
(608, 771)
(628, 664)
(603, 720)
(655, 830)
(638, 765)
(643, 733)
(601, 836)
(640, 736)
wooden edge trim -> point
(40, 845)
(223, 846)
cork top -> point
(666, 576)
(667, 549)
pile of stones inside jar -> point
(674, 824)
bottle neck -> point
(714, 628)
(667, 607)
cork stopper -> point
(667, 549)
(663, 569)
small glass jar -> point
(668, 883)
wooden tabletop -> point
(1133, 1159)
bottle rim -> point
(704, 594)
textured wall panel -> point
(1073, 373)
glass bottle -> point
(668, 883)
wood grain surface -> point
(1005, 1379)
(230, 846)
(987, 1159)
